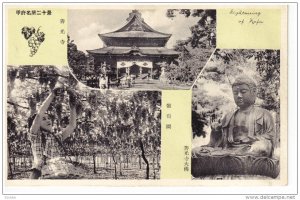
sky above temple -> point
(85, 25)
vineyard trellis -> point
(116, 131)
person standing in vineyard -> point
(44, 143)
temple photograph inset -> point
(140, 49)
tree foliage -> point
(213, 94)
(267, 63)
(202, 33)
(76, 58)
(194, 50)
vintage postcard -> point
(145, 95)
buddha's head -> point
(244, 91)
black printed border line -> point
(203, 69)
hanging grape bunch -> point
(34, 37)
(12, 74)
(75, 100)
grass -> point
(85, 172)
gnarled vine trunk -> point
(121, 169)
(115, 164)
(153, 165)
(145, 159)
(94, 162)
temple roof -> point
(135, 28)
(134, 34)
(135, 50)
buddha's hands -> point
(248, 140)
(261, 148)
(230, 138)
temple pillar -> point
(151, 73)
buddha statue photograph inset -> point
(239, 115)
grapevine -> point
(35, 38)
(110, 126)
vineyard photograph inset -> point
(57, 128)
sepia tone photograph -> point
(136, 98)
(57, 128)
(236, 116)
(149, 49)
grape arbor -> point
(117, 133)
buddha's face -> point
(243, 95)
(46, 123)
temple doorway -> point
(135, 70)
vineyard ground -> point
(102, 173)
(103, 170)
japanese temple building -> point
(134, 49)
